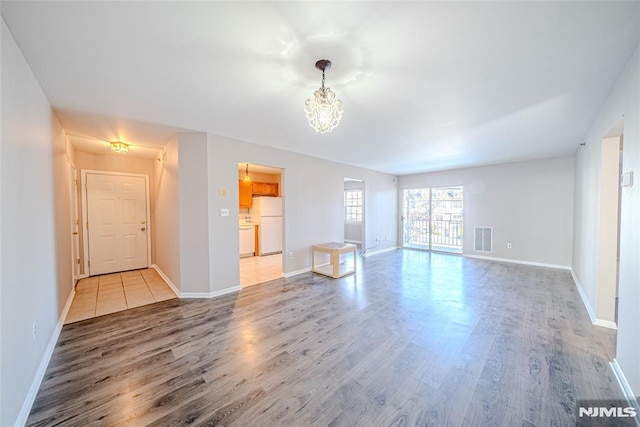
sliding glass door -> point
(432, 218)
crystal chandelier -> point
(324, 111)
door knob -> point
(143, 228)
(75, 233)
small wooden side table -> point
(334, 268)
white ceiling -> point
(425, 85)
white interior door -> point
(117, 223)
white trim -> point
(380, 251)
(606, 324)
(44, 363)
(517, 261)
(624, 385)
(166, 279)
(210, 294)
(352, 241)
(194, 294)
(296, 272)
(82, 276)
(83, 196)
(585, 301)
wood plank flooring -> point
(412, 339)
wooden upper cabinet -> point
(264, 188)
(245, 194)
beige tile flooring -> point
(259, 269)
(99, 295)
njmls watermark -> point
(606, 413)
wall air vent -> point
(483, 241)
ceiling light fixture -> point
(246, 178)
(324, 111)
(119, 147)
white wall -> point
(313, 192)
(529, 204)
(623, 102)
(35, 230)
(313, 208)
(167, 230)
(193, 214)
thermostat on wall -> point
(626, 179)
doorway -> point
(75, 222)
(117, 236)
(609, 235)
(260, 223)
(432, 218)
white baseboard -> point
(517, 261)
(380, 251)
(166, 279)
(624, 385)
(193, 294)
(295, 273)
(606, 324)
(585, 301)
(44, 363)
(352, 241)
(210, 294)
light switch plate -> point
(626, 179)
(224, 212)
(223, 192)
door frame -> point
(85, 235)
(74, 221)
(403, 219)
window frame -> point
(349, 205)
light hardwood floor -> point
(412, 339)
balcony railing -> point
(443, 232)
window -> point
(353, 205)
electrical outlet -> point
(223, 192)
(508, 245)
(34, 330)
(290, 255)
(224, 212)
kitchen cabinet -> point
(245, 194)
(264, 189)
(247, 241)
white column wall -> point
(35, 232)
(623, 103)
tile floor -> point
(99, 295)
(259, 269)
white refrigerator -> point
(267, 212)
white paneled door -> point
(117, 223)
